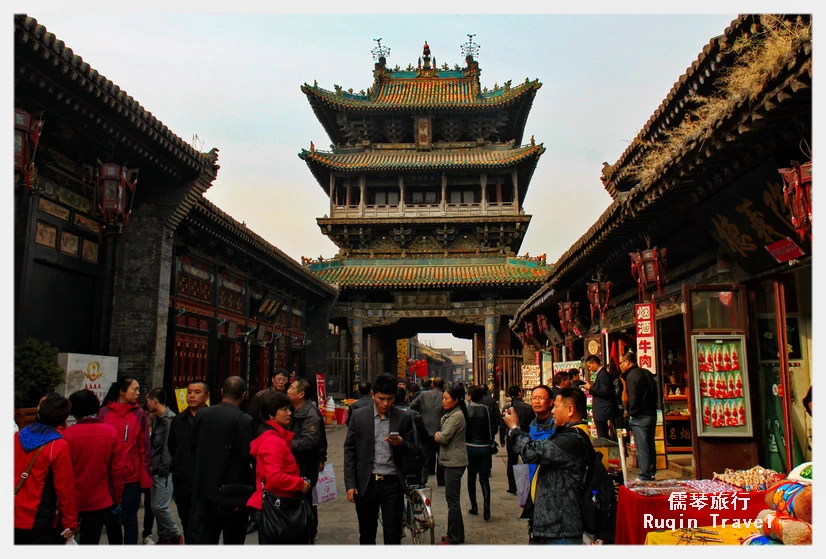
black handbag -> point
(283, 517)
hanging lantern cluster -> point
(113, 185)
(26, 137)
(547, 329)
(599, 293)
(569, 321)
(648, 269)
(797, 193)
(530, 331)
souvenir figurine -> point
(712, 386)
(731, 389)
(703, 385)
(721, 385)
(709, 360)
(706, 414)
(741, 414)
(718, 359)
(738, 385)
(735, 360)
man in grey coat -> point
(161, 494)
(429, 404)
(557, 516)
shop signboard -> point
(321, 389)
(530, 376)
(722, 405)
(547, 367)
(90, 372)
(646, 338)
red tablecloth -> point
(631, 509)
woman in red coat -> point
(122, 411)
(44, 502)
(276, 470)
(97, 460)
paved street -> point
(338, 524)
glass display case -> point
(722, 406)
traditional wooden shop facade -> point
(117, 252)
(426, 183)
(240, 306)
(729, 273)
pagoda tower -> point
(426, 178)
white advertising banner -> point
(92, 372)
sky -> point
(232, 81)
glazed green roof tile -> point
(381, 160)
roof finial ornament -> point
(425, 57)
(380, 52)
(470, 49)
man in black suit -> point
(605, 399)
(429, 404)
(379, 438)
(221, 437)
(180, 447)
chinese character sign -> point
(646, 338)
(490, 346)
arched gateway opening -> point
(426, 178)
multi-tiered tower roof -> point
(426, 164)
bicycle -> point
(418, 517)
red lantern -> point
(530, 331)
(648, 268)
(797, 193)
(598, 295)
(547, 329)
(26, 138)
(569, 322)
(113, 182)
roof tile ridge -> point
(639, 139)
(65, 53)
(211, 207)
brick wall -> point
(141, 296)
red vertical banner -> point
(322, 392)
(646, 338)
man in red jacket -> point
(44, 498)
(97, 460)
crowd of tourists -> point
(231, 472)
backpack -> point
(598, 500)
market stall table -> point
(632, 508)
(729, 535)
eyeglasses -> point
(621, 362)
